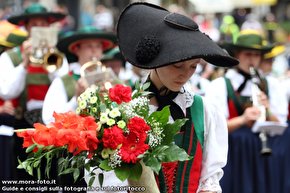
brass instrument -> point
(266, 150)
(96, 73)
(44, 52)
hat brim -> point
(141, 19)
(51, 17)
(6, 44)
(276, 51)
(65, 44)
(231, 47)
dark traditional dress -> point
(204, 137)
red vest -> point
(37, 83)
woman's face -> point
(174, 76)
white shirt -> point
(217, 93)
(286, 84)
(12, 80)
(56, 99)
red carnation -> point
(113, 137)
(138, 126)
(120, 93)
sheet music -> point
(271, 128)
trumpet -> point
(44, 51)
(50, 58)
(266, 150)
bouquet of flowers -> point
(111, 129)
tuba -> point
(44, 53)
(266, 150)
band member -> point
(266, 65)
(235, 88)
(7, 111)
(171, 46)
(23, 79)
(83, 46)
(234, 95)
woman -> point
(171, 45)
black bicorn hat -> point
(150, 36)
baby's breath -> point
(115, 160)
(155, 134)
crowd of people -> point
(188, 66)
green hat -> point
(69, 40)
(114, 54)
(250, 40)
(15, 38)
(33, 11)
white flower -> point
(85, 95)
(82, 105)
(111, 122)
(114, 113)
(78, 110)
(94, 109)
(104, 117)
(121, 124)
(93, 99)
